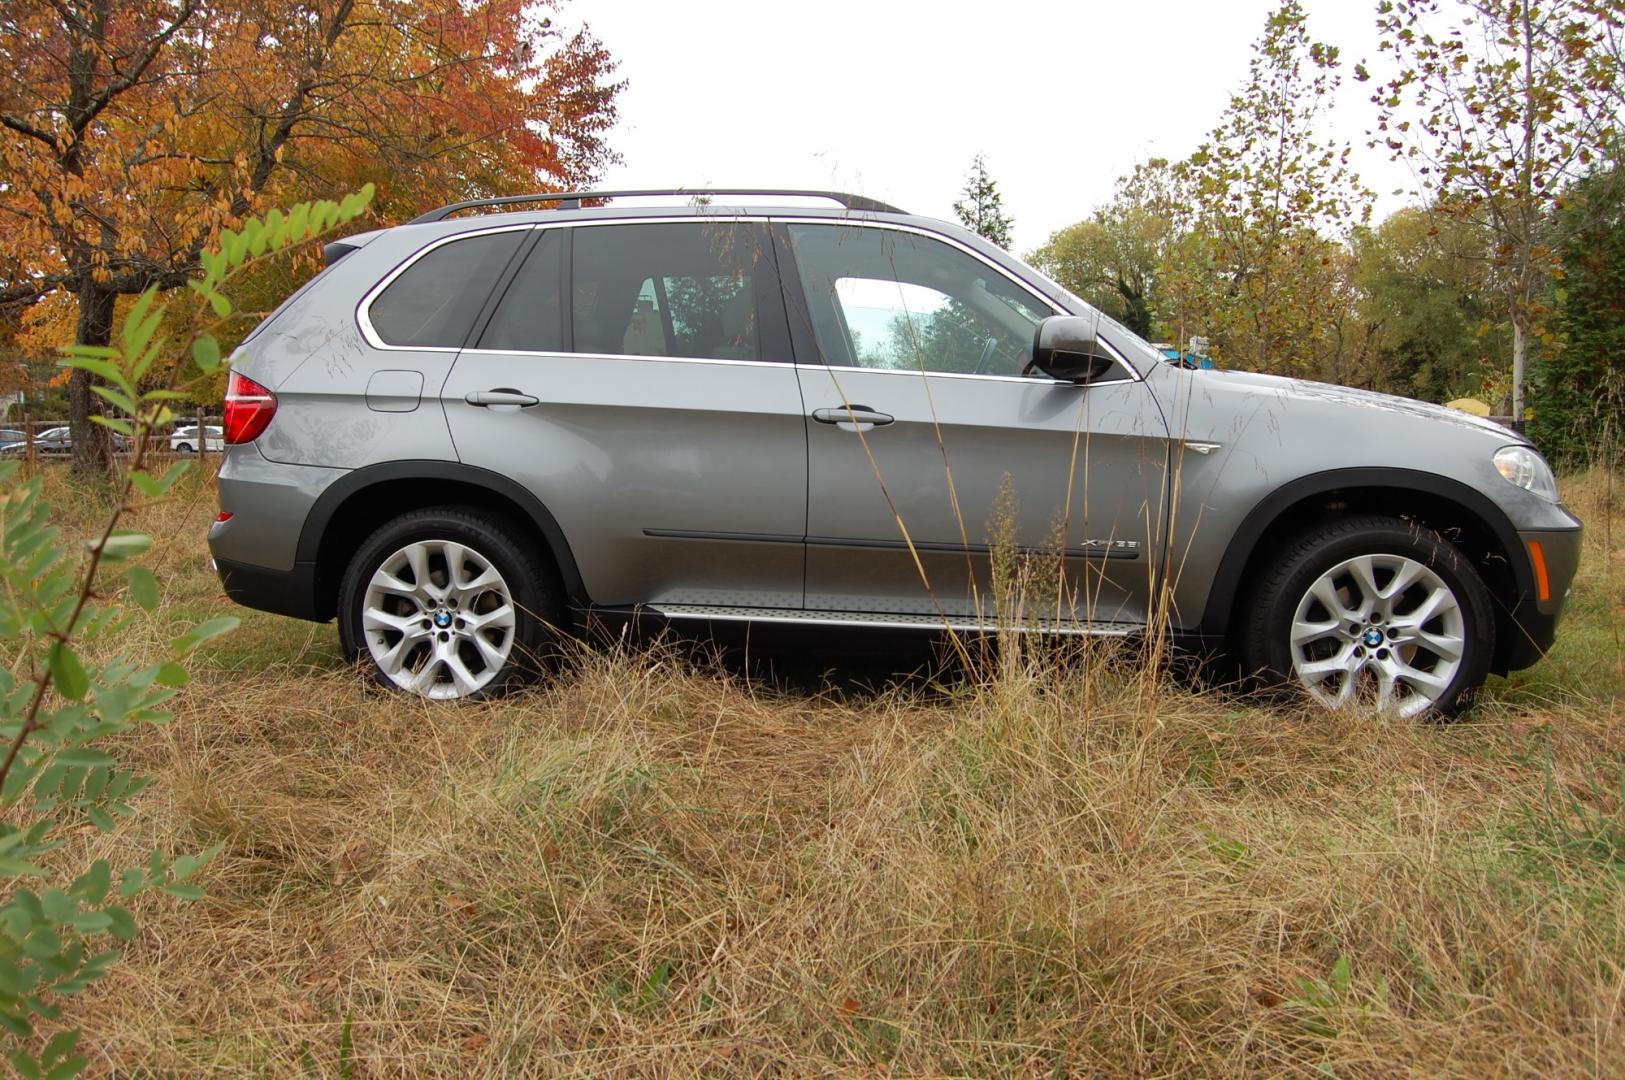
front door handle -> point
(853, 417)
(502, 395)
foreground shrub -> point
(62, 712)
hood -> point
(1288, 389)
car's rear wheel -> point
(183, 448)
(1373, 611)
(445, 603)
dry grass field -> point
(656, 866)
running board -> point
(890, 620)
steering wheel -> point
(987, 356)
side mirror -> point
(1066, 348)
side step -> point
(891, 620)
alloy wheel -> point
(438, 619)
(1378, 627)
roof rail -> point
(571, 200)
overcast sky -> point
(893, 98)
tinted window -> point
(880, 298)
(685, 289)
(530, 317)
(434, 303)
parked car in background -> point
(11, 435)
(57, 442)
(184, 440)
(470, 433)
(53, 440)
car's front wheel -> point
(1375, 610)
(183, 448)
(445, 603)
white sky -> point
(892, 98)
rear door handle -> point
(502, 395)
(848, 417)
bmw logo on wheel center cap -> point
(442, 619)
(1373, 637)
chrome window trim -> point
(370, 335)
(549, 354)
(1053, 305)
(1026, 380)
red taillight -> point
(223, 517)
(249, 408)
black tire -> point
(531, 580)
(1285, 582)
(184, 448)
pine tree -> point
(1579, 411)
(980, 209)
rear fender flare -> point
(341, 491)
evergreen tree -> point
(1579, 399)
(980, 209)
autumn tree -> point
(981, 210)
(1115, 258)
(1259, 270)
(1425, 315)
(130, 133)
(1498, 104)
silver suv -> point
(470, 433)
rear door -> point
(930, 448)
(637, 377)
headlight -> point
(1522, 466)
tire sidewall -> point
(1279, 606)
(535, 596)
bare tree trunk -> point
(1526, 221)
(1520, 347)
(92, 449)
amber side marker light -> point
(1543, 583)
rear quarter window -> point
(433, 303)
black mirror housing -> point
(1066, 348)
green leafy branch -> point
(54, 774)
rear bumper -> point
(1534, 620)
(281, 592)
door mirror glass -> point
(1067, 348)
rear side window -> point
(686, 289)
(530, 317)
(434, 302)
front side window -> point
(890, 300)
(684, 289)
(434, 302)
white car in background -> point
(184, 440)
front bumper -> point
(1532, 627)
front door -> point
(651, 405)
(932, 457)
